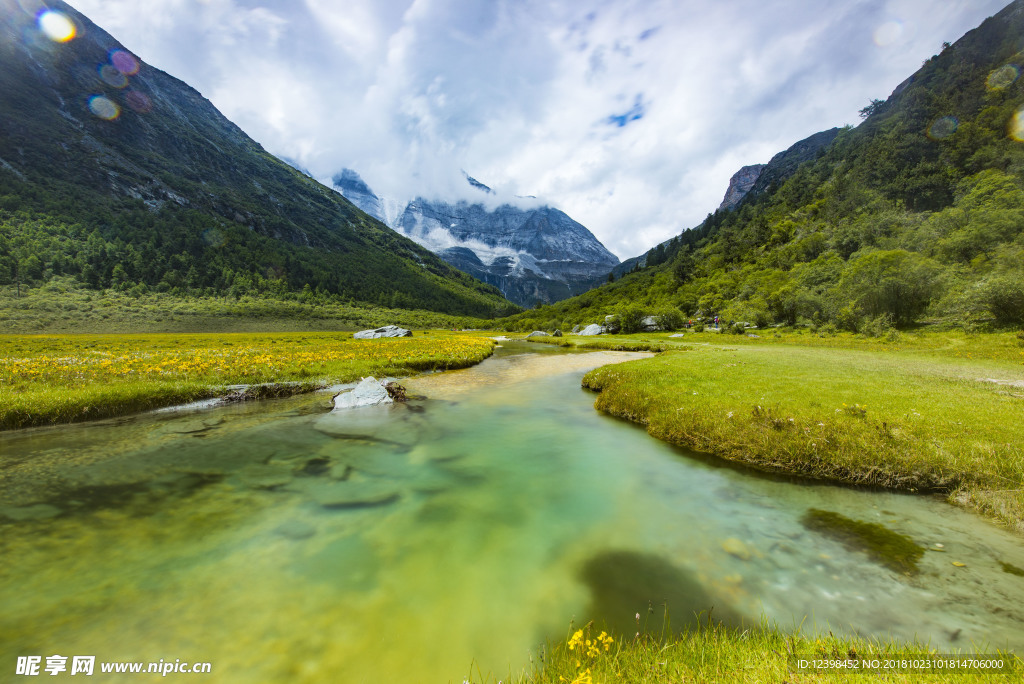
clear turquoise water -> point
(282, 543)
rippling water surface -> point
(410, 543)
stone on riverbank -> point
(592, 329)
(369, 392)
(386, 331)
(538, 333)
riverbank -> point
(54, 379)
(930, 413)
(751, 656)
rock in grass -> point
(538, 333)
(386, 331)
(369, 392)
(592, 329)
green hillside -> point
(916, 214)
(121, 176)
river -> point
(450, 535)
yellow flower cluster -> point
(219, 359)
(587, 649)
(591, 648)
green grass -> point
(606, 343)
(720, 654)
(929, 413)
(64, 306)
(51, 379)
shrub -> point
(1003, 296)
(847, 318)
(879, 326)
(631, 320)
(698, 327)
(893, 282)
(737, 328)
(669, 319)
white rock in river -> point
(386, 331)
(592, 329)
(369, 392)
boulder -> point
(557, 333)
(611, 324)
(649, 324)
(369, 392)
(678, 335)
(386, 331)
(576, 329)
(538, 333)
(592, 329)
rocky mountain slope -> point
(116, 173)
(740, 184)
(750, 181)
(536, 254)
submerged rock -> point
(352, 494)
(735, 547)
(295, 529)
(592, 329)
(369, 392)
(386, 331)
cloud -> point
(630, 116)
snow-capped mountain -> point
(535, 254)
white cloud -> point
(522, 94)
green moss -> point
(893, 550)
(1012, 569)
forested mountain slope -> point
(916, 213)
(117, 174)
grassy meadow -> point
(50, 379)
(64, 306)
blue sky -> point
(629, 115)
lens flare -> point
(139, 102)
(888, 33)
(124, 62)
(57, 26)
(1003, 77)
(943, 128)
(113, 77)
(32, 7)
(104, 108)
(1017, 125)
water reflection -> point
(282, 543)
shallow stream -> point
(282, 543)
